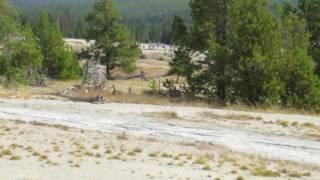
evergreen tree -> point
(255, 43)
(9, 30)
(8, 21)
(181, 63)
(27, 57)
(112, 37)
(59, 61)
(310, 12)
(209, 32)
(20, 56)
(245, 51)
(301, 85)
(209, 22)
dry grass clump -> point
(295, 175)
(75, 165)
(307, 174)
(154, 154)
(96, 146)
(70, 161)
(166, 155)
(131, 153)
(265, 172)
(240, 178)
(56, 148)
(206, 167)
(310, 125)
(88, 153)
(123, 136)
(14, 146)
(299, 175)
(98, 155)
(43, 157)
(36, 153)
(15, 157)
(108, 151)
(305, 125)
(189, 156)
(203, 159)
(164, 114)
(5, 128)
(58, 126)
(244, 168)
(115, 157)
(241, 117)
(6, 152)
(170, 164)
(234, 172)
(52, 163)
(283, 123)
(295, 124)
(134, 152)
(177, 158)
(137, 150)
(227, 158)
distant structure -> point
(165, 48)
(155, 46)
(79, 45)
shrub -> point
(154, 86)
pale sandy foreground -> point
(39, 151)
(128, 141)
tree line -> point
(251, 51)
(147, 19)
(234, 50)
(28, 53)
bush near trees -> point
(20, 56)
(26, 53)
(59, 61)
(252, 54)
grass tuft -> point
(15, 157)
(154, 154)
(123, 136)
(96, 146)
(137, 150)
(6, 152)
(283, 123)
(240, 178)
(206, 167)
(265, 172)
(164, 114)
